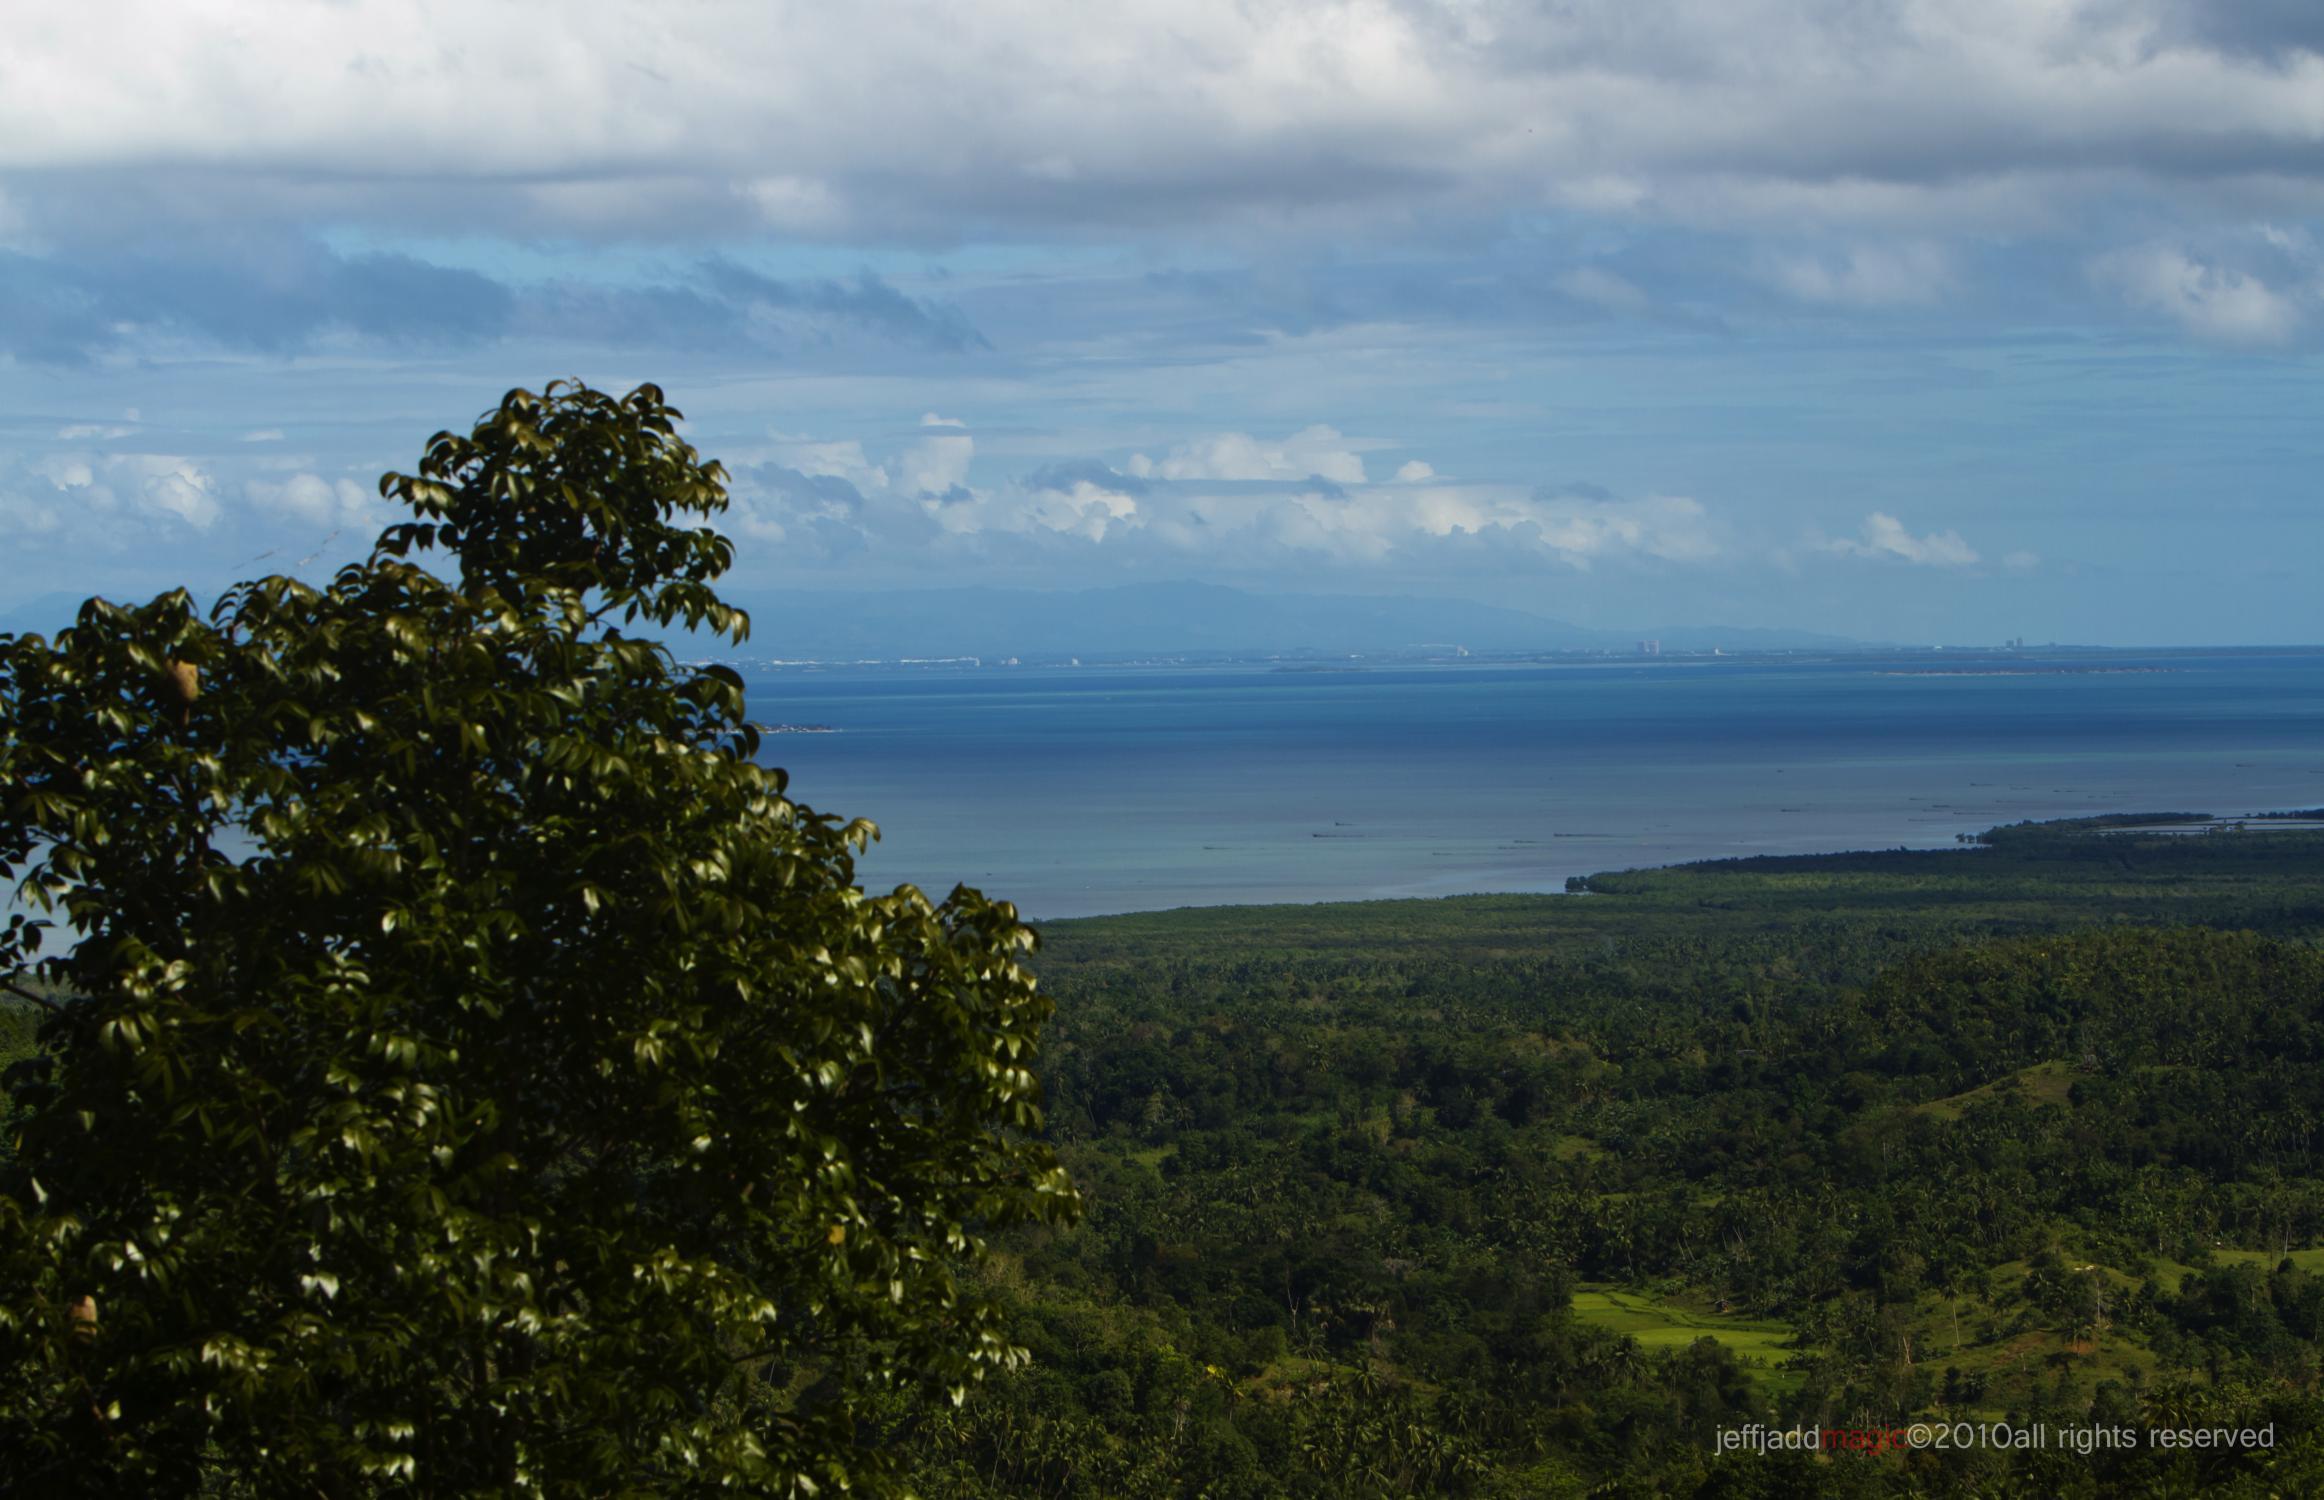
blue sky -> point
(1940, 321)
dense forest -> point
(1536, 1195)
(1517, 1196)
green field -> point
(1761, 1345)
(2044, 1083)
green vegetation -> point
(1533, 1196)
(1761, 1345)
(538, 1107)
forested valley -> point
(1536, 1195)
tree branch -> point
(42, 1001)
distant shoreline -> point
(2061, 671)
(2101, 825)
(1901, 661)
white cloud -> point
(1884, 535)
(1578, 530)
(152, 487)
(72, 471)
(1363, 525)
(840, 460)
(935, 465)
(108, 499)
(323, 502)
(178, 488)
(1086, 510)
(930, 419)
(2211, 301)
(1317, 450)
(263, 435)
(1150, 111)
(1226, 501)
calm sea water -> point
(1076, 791)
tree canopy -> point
(463, 1066)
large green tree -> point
(465, 1068)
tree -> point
(480, 1076)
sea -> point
(1082, 790)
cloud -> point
(1049, 116)
(793, 205)
(1366, 525)
(1224, 503)
(165, 486)
(2273, 30)
(1602, 289)
(1458, 525)
(1319, 451)
(1081, 510)
(29, 513)
(811, 516)
(1884, 536)
(284, 294)
(936, 465)
(322, 502)
(1582, 529)
(866, 301)
(842, 458)
(1865, 276)
(1063, 476)
(275, 296)
(109, 499)
(1497, 162)
(2212, 301)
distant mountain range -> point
(1137, 620)
(1185, 619)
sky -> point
(1935, 321)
